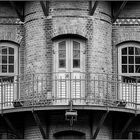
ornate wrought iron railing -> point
(60, 88)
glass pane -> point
(4, 51)
(62, 54)
(137, 59)
(131, 68)
(124, 68)
(62, 63)
(131, 50)
(11, 68)
(76, 54)
(76, 45)
(62, 45)
(4, 68)
(131, 59)
(11, 59)
(76, 63)
(124, 59)
(137, 51)
(124, 51)
(4, 59)
(11, 51)
(137, 68)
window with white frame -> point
(129, 60)
(8, 71)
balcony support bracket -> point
(92, 8)
(45, 7)
(100, 125)
(11, 126)
(126, 125)
(38, 122)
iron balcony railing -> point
(59, 88)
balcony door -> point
(69, 68)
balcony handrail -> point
(43, 89)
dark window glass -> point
(11, 51)
(4, 59)
(62, 63)
(124, 51)
(131, 50)
(131, 59)
(62, 54)
(11, 59)
(76, 63)
(124, 59)
(124, 68)
(76, 54)
(137, 51)
(137, 59)
(11, 68)
(62, 45)
(137, 68)
(4, 68)
(76, 45)
(4, 51)
(131, 68)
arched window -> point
(8, 72)
(8, 59)
(129, 59)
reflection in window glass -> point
(76, 63)
(131, 50)
(137, 60)
(62, 54)
(124, 68)
(4, 68)
(137, 68)
(131, 68)
(124, 51)
(137, 51)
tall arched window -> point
(129, 71)
(8, 72)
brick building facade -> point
(69, 69)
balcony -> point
(58, 89)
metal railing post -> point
(2, 95)
(136, 95)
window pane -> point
(131, 68)
(137, 68)
(11, 59)
(124, 68)
(62, 54)
(76, 45)
(76, 54)
(131, 59)
(76, 63)
(11, 68)
(124, 59)
(137, 51)
(4, 59)
(11, 51)
(62, 45)
(62, 63)
(4, 51)
(137, 59)
(124, 51)
(131, 50)
(4, 68)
